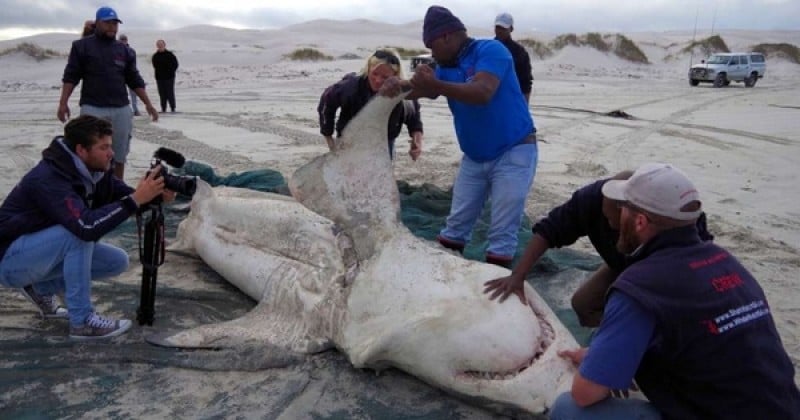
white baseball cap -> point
(504, 20)
(659, 188)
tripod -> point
(151, 255)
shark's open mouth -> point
(547, 338)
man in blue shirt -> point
(494, 128)
(686, 320)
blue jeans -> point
(55, 260)
(564, 408)
(506, 182)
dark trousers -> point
(166, 92)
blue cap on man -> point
(105, 14)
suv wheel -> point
(720, 80)
(694, 82)
(751, 81)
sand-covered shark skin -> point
(335, 267)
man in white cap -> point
(686, 320)
(107, 69)
(503, 26)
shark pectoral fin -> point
(259, 327)
(188, 339)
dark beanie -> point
(439, 22)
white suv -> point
(722, 69)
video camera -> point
(151, 243)
(186, 185)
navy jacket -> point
(522, 64)
(107, 68)
(165, 65)
(715, 353)
(582, 215)
(53, 192)
(350, 95)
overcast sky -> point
(26, 17)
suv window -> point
(717, 59)
(734, 61)
(756, 58)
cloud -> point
(555, 16)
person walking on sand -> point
(165, 65)
(351, 93)
(107, 69)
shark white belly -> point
(335, 267)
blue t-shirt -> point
(487, 131)
(619, 343)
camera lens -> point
(185, 185)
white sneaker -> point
(97, 327)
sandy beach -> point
(243, 106)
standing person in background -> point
(107, 69)
(165, 64)
(494, 128)
(354, 91)
(134, 105)
(503, 26)
(88, 28)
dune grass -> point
(626, 49)
(595, 40)
(617, 44)
(782, 50)
(711, 45)
(307, 54)
(32, 50)
(538, 48)
(408, 52)
(564, 40)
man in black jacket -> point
(586, 213)
(165, 64)
(685, 320)
(107, 68)
(503, 26)
(52, 220)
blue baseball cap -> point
(105, 14)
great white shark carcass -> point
(333, 266)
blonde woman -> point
(351, 93)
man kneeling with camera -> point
(52, 220)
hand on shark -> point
(393, 86)
(415, 146)
(504, 287)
